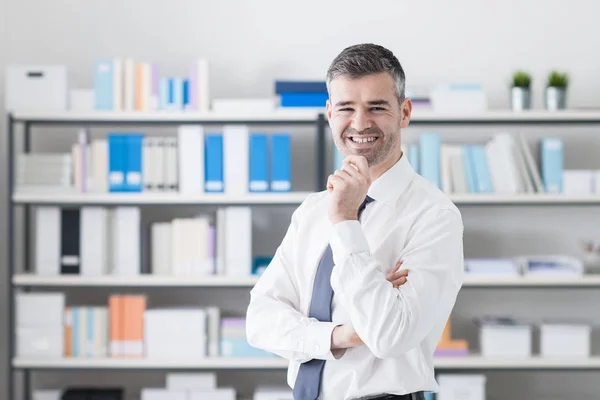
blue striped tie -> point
(308, 381)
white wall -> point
(252, 43)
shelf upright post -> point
(11, 260)
(321, 180)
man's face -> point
(365, 117)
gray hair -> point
(366, 59)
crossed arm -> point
(390, 321)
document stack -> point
(504, 337)
(189, 386)
(449, 347)
(39, 325)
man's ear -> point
(405, 111)
(328, 108)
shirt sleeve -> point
(392, 321)
(273, 322)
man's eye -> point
(377, 108)
(346, 109)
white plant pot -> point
(555, 98)
(520, 98)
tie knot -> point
(367, 200)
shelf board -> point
(306, 115)
(133, 363)
(144, 280)
(61, 196)
(42, 196)
(523, 199)
(147, 280)
(517, 363)
(532, 281)
(441, 363)
(506, 116)
(302, 114)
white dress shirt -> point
(410, 220)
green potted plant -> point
(556, 90)
(520, 94)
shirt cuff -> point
(318, 340)
(348, 238)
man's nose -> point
(361, 121)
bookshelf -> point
(25, 199)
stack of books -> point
(293, 94)
(99, 241)
(124, 84)
(234, 161)
(449, 347)
(504, 164)
(126, 328)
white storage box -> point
(458, 97)
(269, 392)
(47, 394)
(214, 394)
(40, 342)
(163, 394)
(175, 333)
(505, 339)
(192, 380)
(565, 339)
(461, 387)
(36, 87)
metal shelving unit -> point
(18, 197)
(26, 199)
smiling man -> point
(328, 302)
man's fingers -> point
(350, 170)
(334, 181)
(390, 276)
(360, 162)
(342, 174)
(399, 282)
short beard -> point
(390, 141)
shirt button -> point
(317, 348)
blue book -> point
(470, 175)
(90, 331)
(552, 160)
(429, 157)
(281, 163)
(213, 159)
(186, 94)
(133, 173)
(117, 162)
(259, 159)
(176, 101)
(164, 94)
(75, 331)
(300, 87)
(103, 84)
(303, 99)
(413, 157)
(482, 171)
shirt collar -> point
(392, 183)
